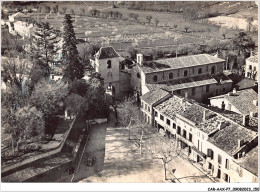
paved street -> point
(119, 160)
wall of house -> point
(228, 106)
(249, 72)
(135, 82)
(124, 83)
(163, 76)
(146, 111)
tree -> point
(48, 97)
(47, 9)
(14, 71)
(156, 21)
(149, 18)
(135, 16)
(74, 102)
(186, 28)
(243, 43)
(44, 47)
(55, 9)
(74, 68)
(64, 10)
(82, 11)
(223, 32)
(93, 12)
(249, 21)
(24, 124)
(72, 11)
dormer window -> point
(213, 70)
(199, 71)
(170, 76)
(109, 64)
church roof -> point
(106, 52)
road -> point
(119, 160)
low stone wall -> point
(17, 166)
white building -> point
(244, 102)
(251, 68)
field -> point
(126, 32)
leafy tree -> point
(149, 18)
(74, 68)
(79, 87)
(44, 47)
(24, 124)
(74, 102)
(48, 97)
(243, 43)
(156, 21)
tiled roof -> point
(106, 52)
(250, 161)
(19, 14)
(242, 100)
(191, 111)
(184, 62)
(246, 83)
(154, 96)
(227, 138)
(188, 82)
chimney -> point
(255, 102)
(221, 125)
(204, 115)
(245, 120)
(234, 91)
(186, 95)
(240, 143)
(140, 58)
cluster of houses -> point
(191, 99)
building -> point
(244, 102)
(251, 68)
(23, 29)
(107, 62)
(197, 76)
(218, 145)
(150, 100)
(20, 17)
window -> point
(149, 108)
(254, 68)
(174, 126)
(178, 130)
(185, 73)
(184, 133)
(145, 106)
(226, 177)
(210, 153)
(170, 76)
(224, 90)
(109, 64)
(193, 91)
(190, 137)
(207, 88)
(199, 71)
(178, 73)
(216, 91)
(138, 75)
(156, 114)
(227, 164)
(168, 121)
(250, 67)
(219, 159)
(161, 117)
(155, 78)
(207, 68)
(213, 70)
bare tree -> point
(156, 21)
(149, 18)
